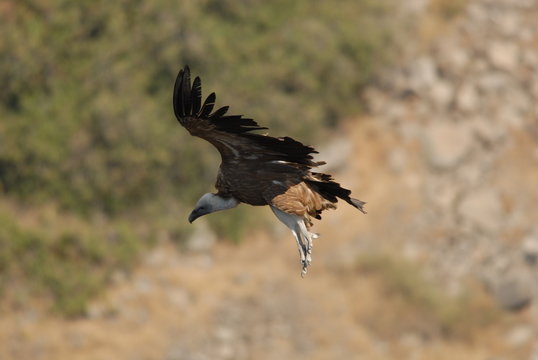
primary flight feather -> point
(258, 169)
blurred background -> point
(426, 109)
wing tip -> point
(182, 96)
(187, 102)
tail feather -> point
(359, 204)
(331, 190)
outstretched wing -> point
(232, 134)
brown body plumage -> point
(258, 169)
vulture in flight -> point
(258, 169)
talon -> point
(308, 259)
(310, 241)
(305, 268)
(305, 263)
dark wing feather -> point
(196, 95)
(186, 92)
(287, 149)
(176, 97)
(232, 134)
(219, 113)
(209, 103)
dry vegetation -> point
(422, 306)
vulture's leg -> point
(302, 236)
(308, 243)
(303, 254)
(309, 236)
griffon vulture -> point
(258, 169)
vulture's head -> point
(209, 203)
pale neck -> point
(221, 203)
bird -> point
(258, 169)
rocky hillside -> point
(465, 112)
(444, 266)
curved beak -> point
(194, 215)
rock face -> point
(482, 209)
(530, 249)
(513, 293)
(504, 55)
(465, 107)
(447, 145)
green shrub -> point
(85, 106)
(86, 122)
(62, 258)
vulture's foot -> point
(310, 241)
(306, 249)
(304, 256)
(305, 263)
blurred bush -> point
(86, 122)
